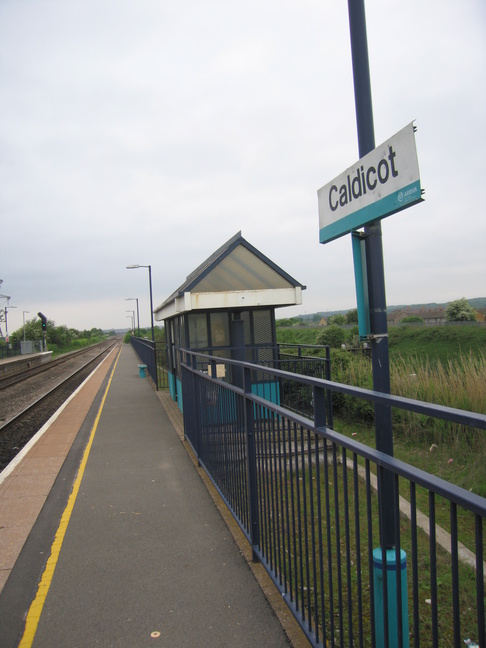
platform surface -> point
(145, 558)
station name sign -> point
(381, 183)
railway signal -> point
(44, 327)
(43, 320)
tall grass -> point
(459, 383)
(445, 449)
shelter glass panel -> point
(220, 335)
(262, 326)
(263, 335)
(169, 333)
(198, 331)
(177, 340)
(245, 316)
(182, 339)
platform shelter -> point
(226, 308)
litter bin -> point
(141, 370)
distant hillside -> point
(476, 302)
(479, 302)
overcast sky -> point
(150, 132)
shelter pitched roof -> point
(236, 275)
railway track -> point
(22, 420)
(23, 374)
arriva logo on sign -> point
(383, 182)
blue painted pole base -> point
(391, 581)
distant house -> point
(396, 316)
(480, 314)
(322, 322)
(430, 316)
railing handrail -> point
(474, 503)
(463, 417)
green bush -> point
(333, 335)
(338, 319)
(460, 311)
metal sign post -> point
(384, 181)
(374, 269)
(388, 630)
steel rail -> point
(30, 408)
(23, 374)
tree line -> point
(58, 337)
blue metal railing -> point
(154, 355)
(306, 498)
(286, 357)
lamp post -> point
(6, 324)
(23, 316)
(133, 267)
(7, 297)
(138, 314)
(133, 319)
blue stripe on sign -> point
(395, 202)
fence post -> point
(327, 366)
(251, 463)
(320, 406)
(156, 372)
(196, 385)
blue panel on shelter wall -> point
(179, 394)
(268, 390)
(172, 386)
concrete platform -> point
(10, 366)
(137, 552)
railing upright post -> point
(320, 407)
(252, 465)
(155, 374)
(329, 392)
(196, 413)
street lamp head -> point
(132, 267)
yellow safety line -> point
(35, 610)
